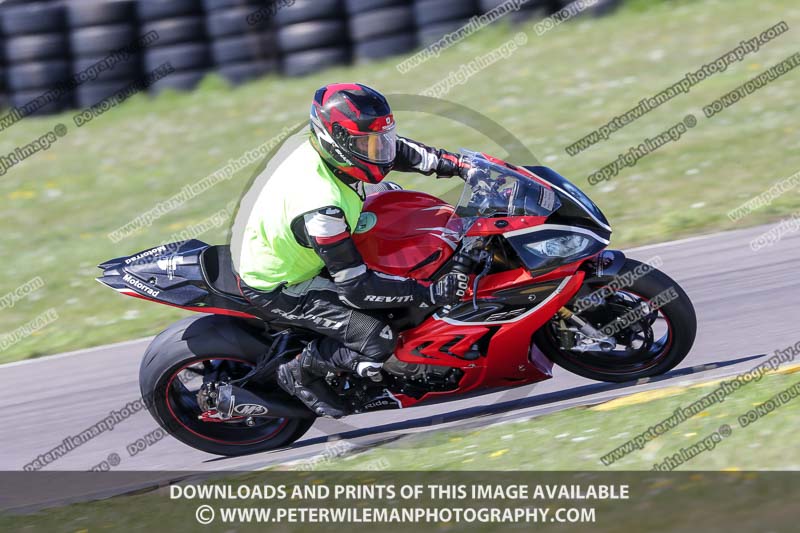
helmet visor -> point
(379, 147)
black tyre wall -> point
(98, 29)
(37, 75)
(432, 11)
(101, 40)
(354, 7)
(433, 32)
(31, 18)
(21, 98)
(382, 32)
(235, 21)
(177, 30)
(149, 10)
(35, 51)
(243, 49)
(242, 42)
(183, 41)
(381, 47)
(214, 5)
(381, 23)
(312, 34)
(304, 10)
(82, 13)
(38, 46)
(311, 61)
(237, 73)
(530, 9)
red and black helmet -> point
(353, 130)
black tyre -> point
(237, 73)
(605, 7)
(311, 61)
(235, 21)
(100, 12)
(488, 5)
(129, 69)
(432, 33)
(32, 18)
(180, 56)
(243, 49)
(214, 5)
(304, 10)
(309, 35)
(98, 40)
(35, 47)
(653, 344)
(381, 22)
(216, 347)
(185, 80)
(148, 10)
(384, 47)
(21, 98)
(524, 15)
(530, 9)
(354, 7)
(37, 75)
(177, 30)
(432, 11)
(88, 94)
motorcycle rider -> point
(301, 224)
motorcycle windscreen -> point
(492, 190)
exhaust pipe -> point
(234, 401)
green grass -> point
(59, 206)
(576, 439)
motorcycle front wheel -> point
(650, 319)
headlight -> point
(559, 246)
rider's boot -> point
(304, 377)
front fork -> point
(606, 264)
(593, 338)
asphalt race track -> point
(746, 304)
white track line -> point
(83, 351)
(677, 241)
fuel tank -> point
(404, 233)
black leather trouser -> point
(360, 336)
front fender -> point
(606, 264)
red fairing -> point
(510, 358)
(403, 233)
(500, 225)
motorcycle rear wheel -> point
(209, 347)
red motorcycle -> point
(544, 290)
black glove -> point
(463, 167)
(449, 289)
(450, 167)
